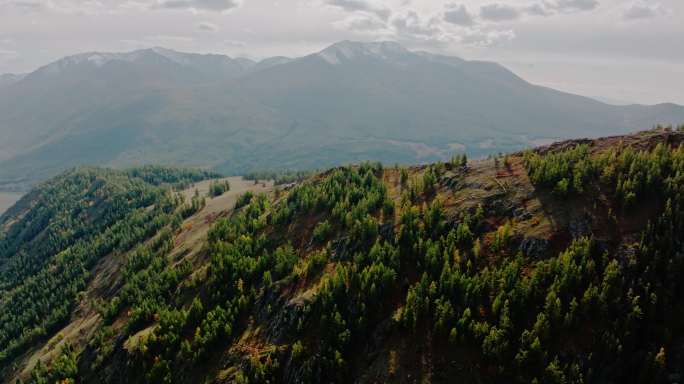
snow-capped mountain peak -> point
(349, 50)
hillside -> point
(347, 103)
(558, 265)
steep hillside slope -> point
(558, 265)
(54, 236)
(348, 103)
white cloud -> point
(8, 55)
(364, 6)
(536, 10)
(542, 8)
(235, 43)
(409, 21)
(7, 41)
(207, 27)
(499, 12)
(115, 6)
(453, 23)
(167, 41)
(412, 26)
(458, 14)
(200, 5)
(28, 5)
(486, 38)
(642, 10)
(58, 6)
(572, 5)
(363, 23)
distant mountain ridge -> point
(349, 102)
(10, 78)
(212, 64)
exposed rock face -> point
(499, 204)
(522, 214)
(533, 247)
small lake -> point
(7, 199)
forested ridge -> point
(54, 236)
(557, 265)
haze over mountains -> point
(349, 102)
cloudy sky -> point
(620, 50)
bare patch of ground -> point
(194, 230)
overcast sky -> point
(622, 50)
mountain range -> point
(349, 102)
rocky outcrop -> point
(534, 247)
